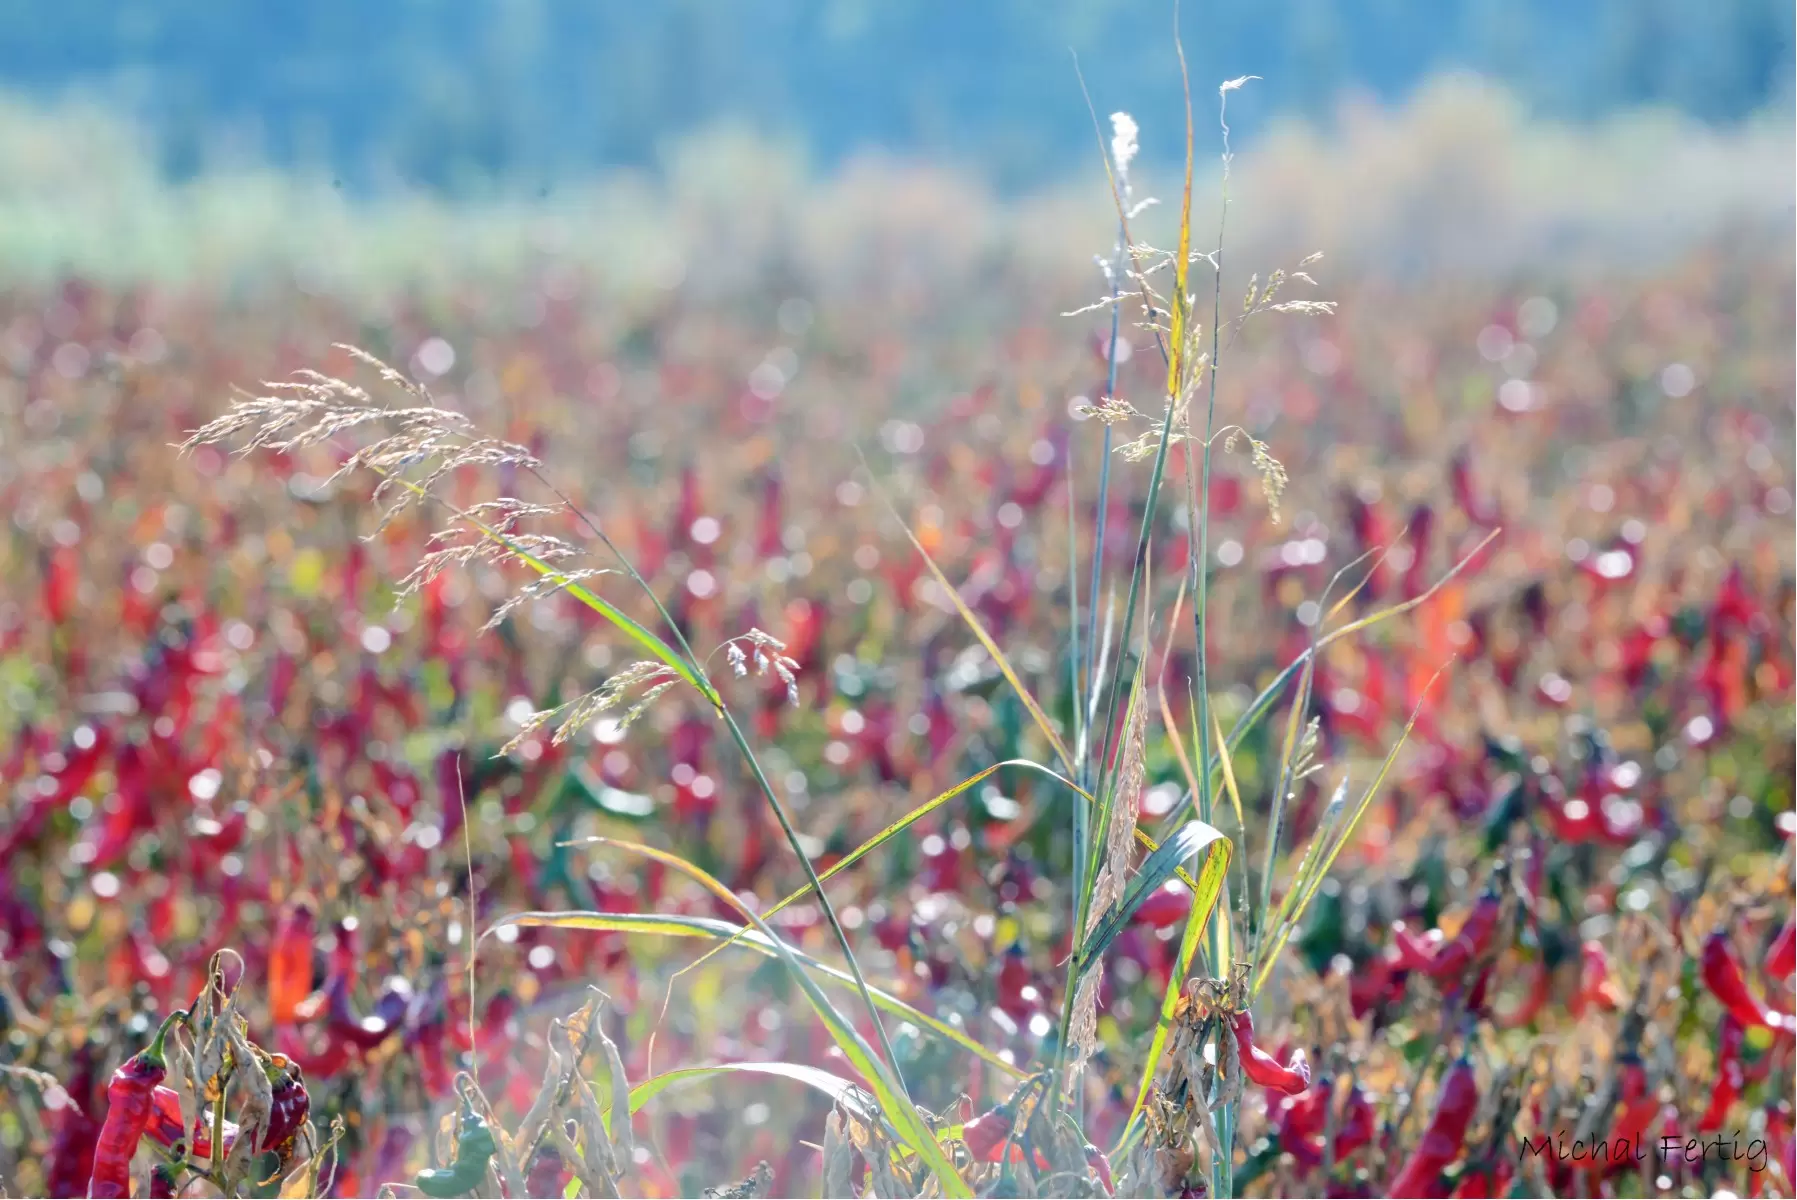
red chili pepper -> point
(1596, 988)
(1101, 1167)
(322, 1064)
(1165, 906)
(342, 1022)
(548, 1174)
(1524, 1013)
(164, 1127)
(1781, 959)
(1440, 960)
(1262, 1068)
(291, 1108)
(162, 1181)
(1723, 976)
(1357, 1124)
(129, 1099)
(986, 1134)
(71, 1158)
(1639, 1106)
(290, 964)
(1731, 1078)
(1440, 1145)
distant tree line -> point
(454, 94)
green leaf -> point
(1267, 956)
(1156, 870)
(843, 1091)
(723, 932)
(979, 631)
(1204, 902)
(900, 1113)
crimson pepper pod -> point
(1441, 959)
(1596, 988)
(1637, 1106)
(1262, 1068)
(71, 1158)
(1731, 1076)
(1723, 976)
(1441, 1142)
(291, 1108)
(986, 1134)
(547, 1176)
(130, 1098)
(1101, 1167)
(164, 1128)
(1781, 959)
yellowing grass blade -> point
(899, 1110)
(923, 810)
(1270, 955)
(979, 631)
(844, 1092)
(889, 833)
(1227, 764)
(725, 933)
(1156, 870)
(1204, 903)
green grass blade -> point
(1263, 701)
(842, 1091)
(1161, 866)
(1204, 903)
(1270, 956)
(725, 933)
(632, 629)
(899, 1110)
(979, 631)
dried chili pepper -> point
(1441, 1142)
(1723, 976)
(129, 1100)
(1781, 959)
(474, 1149)
(1262, 1068)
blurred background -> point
(1474, 129)
(694, 255)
